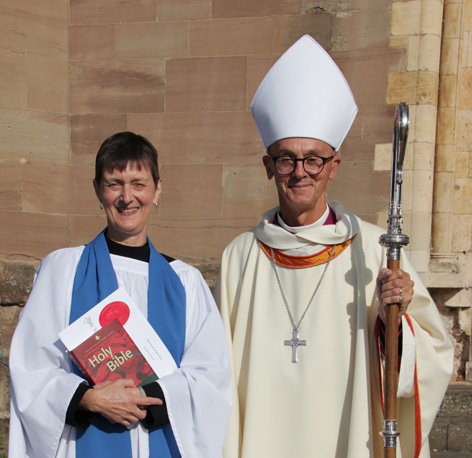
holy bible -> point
(110, 354)
(115, 340)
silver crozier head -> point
(400, 134)
(394, 240)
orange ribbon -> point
(302, 262)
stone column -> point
(446, 146)
(452, 218)
(417, 25)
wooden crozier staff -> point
(393, 241)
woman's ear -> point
(96, 186)
(158, 191)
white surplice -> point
(328, 404)
(198, 394)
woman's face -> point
(128, 198)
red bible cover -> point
(110, 354)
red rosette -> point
(117, 309)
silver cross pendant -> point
(295, 342)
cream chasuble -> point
(328, 404)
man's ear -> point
(268, 164)
(335, 164)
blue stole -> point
(94, 280)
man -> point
(303, 295)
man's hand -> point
(119, 402)
(394, 287)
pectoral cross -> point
(294, 342)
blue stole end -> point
(94, 280)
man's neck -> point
(319, 222)
(294, 219)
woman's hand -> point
(119, 401)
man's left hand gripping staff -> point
(394, 287)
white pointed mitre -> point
(304, 94)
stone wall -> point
(451, 435)
(16, 278)
(436, 84)
(34, 127)
(450, 264)
(183, 74)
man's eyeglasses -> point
(313, 165)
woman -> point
(54, 412)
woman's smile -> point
(128, 197)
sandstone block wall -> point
(183, 73)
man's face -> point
(302, 197)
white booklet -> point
(120, 305)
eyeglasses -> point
(313, 165)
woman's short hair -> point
(117, 151)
